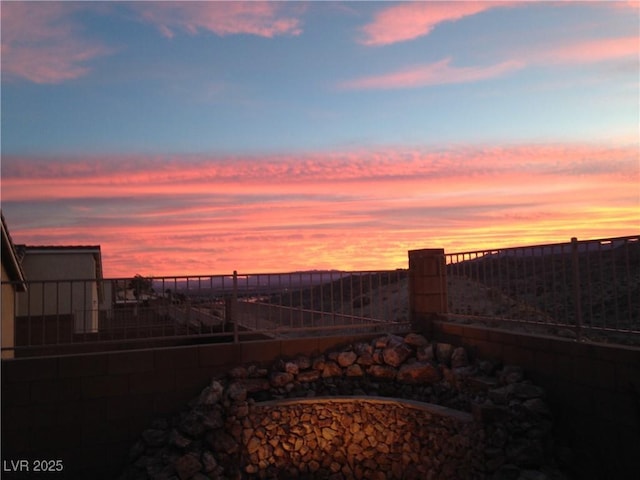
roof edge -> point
(9, 250)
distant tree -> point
(140, 286)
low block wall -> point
(222, 435)
(366, 437)
(593, 390)
(87, 409)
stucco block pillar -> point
(427, 287)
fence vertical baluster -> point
(73, 316)
(534, 293)
(301, 307)
(616, 286)
(234, 305)
(342, 313)
(400, 304)
(526, 283)
(507, 267)
(269, 309)
(543, 285)
(57, 332)
(44, 313)
(333, 306)
(197, 310)
(379, 313)
(176, 308)
(515, 268)
(83, 305)
(162, 309)
(290, 301)
(312, 291)
(553, 285)
(576, 287)
(392, 306)
(484, 268)
(587, 267)
(464, 265)
(279, 301)
(526, 286)
(561, 287)
(29, 292)
(513, 273)
(603, 311)
(359, 293)
(321, 292)
(86, 304)
(210, 304)
(351, 295)
(629, 318)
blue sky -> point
(91, 89)
(200, 91)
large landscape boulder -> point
(395, 355)
(418, 372)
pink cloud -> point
(442, 72)
(633, 4)
(407, 21)
(265, 19)
(41, 43)
(590, 51)
(357, 209)
(437, 73)
(312, 172)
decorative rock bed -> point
(360, 437)
(389, 409)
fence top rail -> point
(601, 241)
(204, 278)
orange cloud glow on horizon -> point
(354, 210)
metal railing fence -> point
(584, 285)
(581, 286)
(67, 313)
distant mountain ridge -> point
(251, 283)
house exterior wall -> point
(8, 315)
(74, 292)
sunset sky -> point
(206, 137)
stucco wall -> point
(61, 297)
(593, 390)
(88, 409)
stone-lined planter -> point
(233, 429)
(360, 437)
